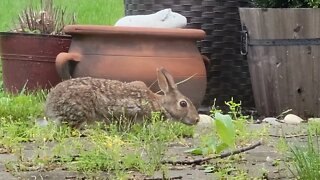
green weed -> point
(306, 159)
(225, 169)
(282, 146)
(24, 107)
(314, 126)
(139, 149)
(228, 130)
(103, 149)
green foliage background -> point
(286, 3)
(87, 12)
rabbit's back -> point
(79, 100)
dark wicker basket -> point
(191, 9)
(228, 75)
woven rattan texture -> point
(228, 75)
(191, 9)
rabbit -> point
(161, 19)
(86, 100)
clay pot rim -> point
(33, 34)
(134, 31)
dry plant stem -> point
(288, 136)
(71, 177)
(46, 19)
(223, 155)
(162, 178)
(172, 178)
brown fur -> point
(87, 99)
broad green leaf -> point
(221, 147)
(195, 151)
(205, 151)
(225, 129)
(211, 140)
(209, 150)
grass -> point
(306, 159)
(104, 12)
(103, 149)
(23, 107)
(303, 160)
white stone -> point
(271, 120)
(205, 120)
(205, 125)
(161, 19)
(292, 119)
(269, 159)
(41, 122)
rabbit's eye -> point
(183, 103)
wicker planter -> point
(228, 75)
(191, 9)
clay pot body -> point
(129, 54)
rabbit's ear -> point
(165, 81)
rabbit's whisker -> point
(154, 82)
(181, 82)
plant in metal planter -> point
(286, 3)
(281, 41)
(47, 19)
(28, 51)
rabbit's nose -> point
(197, 119)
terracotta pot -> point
(130, 53)
(28, 60)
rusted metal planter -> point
(28, 60)
(130, 54)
